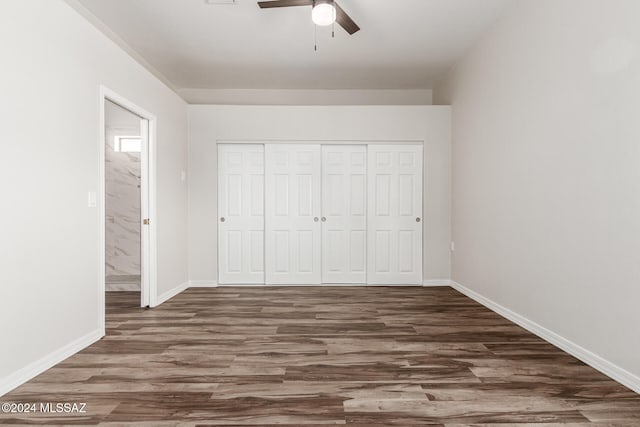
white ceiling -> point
(403, 44)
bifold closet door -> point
(292, 214)
(241, 214)
(394, 221)
(344, 214)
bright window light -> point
(127, 144)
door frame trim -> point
(148, 235)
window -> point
(127, 144)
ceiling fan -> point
(324, 12)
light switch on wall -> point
(92, 200)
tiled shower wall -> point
(122, 173)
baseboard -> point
(203, 284)
(214, 284)
(325, 285)
(39, 366)
(608, 368)
(171, 293)
(436, 282)
(388, 285)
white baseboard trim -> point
(388, 285)
(214, 284)
(608, 368)
(39, 366)
(171, 293)
(203, 284)
(436, 282)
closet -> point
(312, 214)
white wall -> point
(209, 124)
(546, 172)
(54, 62)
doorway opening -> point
(123, 244)
(128, 202)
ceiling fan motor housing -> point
(323, 12)
(326, 17)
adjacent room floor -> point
(294, 355)
(123, 283)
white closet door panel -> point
(395, 214)
(241, 204)
(344, 220)
(292, 211)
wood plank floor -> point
(322, 356)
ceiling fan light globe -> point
(323, 14)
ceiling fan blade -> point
(284, 3)
(345, 20)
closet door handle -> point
(418, 219)
(324, 219)
(222, 219)
(315, 219)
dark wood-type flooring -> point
(321, 356)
